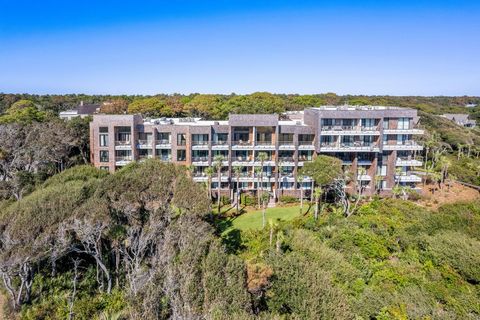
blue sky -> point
(147, 47)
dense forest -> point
(145, 242)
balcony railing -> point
(144, 157)
(238, 158)
(286, 142)
(267, 159)
(305, 143)
(122, 142)
(124, 158)
(263, 143)
(145, 142)
(163, 141)
(286, 159)
(165, 158)
(199, 143)
(304, 158)
(220, 143)
(242, 143)
(200, 159)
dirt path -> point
(455, 193)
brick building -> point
(376, 142)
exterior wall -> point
(310, 125)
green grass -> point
(253, 219)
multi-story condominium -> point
(375, 142)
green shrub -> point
(288, 199)
(248, 200)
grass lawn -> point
(253, 219)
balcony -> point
(349, 146)
(350, 130)
(403, 145)
(144, 144)
(163, 144)
(121, 161)
(242, 145)
(165, 158)
(407, 177)
(123, 144)
(306, 145)
(403, 131)
(364, 162)
(200, 161)
(286, 161)
(408, 162)
(264, 145)
(286, 145)
(220, 145)
(199, 145)
(242, 161)
(363, 177)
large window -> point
(403, 123)
(103, 137)
(181, 139)
(181, 155)
(199, 139)
(123, 134)
(163, 137)
(103, 155)
(164, 154)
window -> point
(181, 155)
(220, 138)
(164, 154)
(145, 138)
(386, 123)
(103, 136)
(104, 168)
(103, 155)
(163, 138)
(123, 134)
(199, 139)
(368, 123)
(403, 123)
(181, 139)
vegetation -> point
(143, 243)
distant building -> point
(373, 141)
(471, 105)
(461, 119)
(82, 111)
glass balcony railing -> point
(220, 143)
(242, 143)
(286, 142)
(163, 141)
(286, 159)
(122, 142)
(199, 143)
(124, 158)
(305, 143)
(200, 159)
(145, 142)
(263, 143)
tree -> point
(209, 172)
(115, 106)
(317, 195)
(262, 157)
(218, 162)
(265, 197)
(300, 179)
(204, 105)
(237, 170)
(324, 171)
(150, 107)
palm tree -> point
(317, 194)
(218, 160)
(398, 172)
(257, 174)
(264, 197)
(209, 172)
(459, 150)
(445, 163)
(237, 171)
(300, 179)
(262, 156)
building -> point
(82, 110)
(376, 142)
(461, 119)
